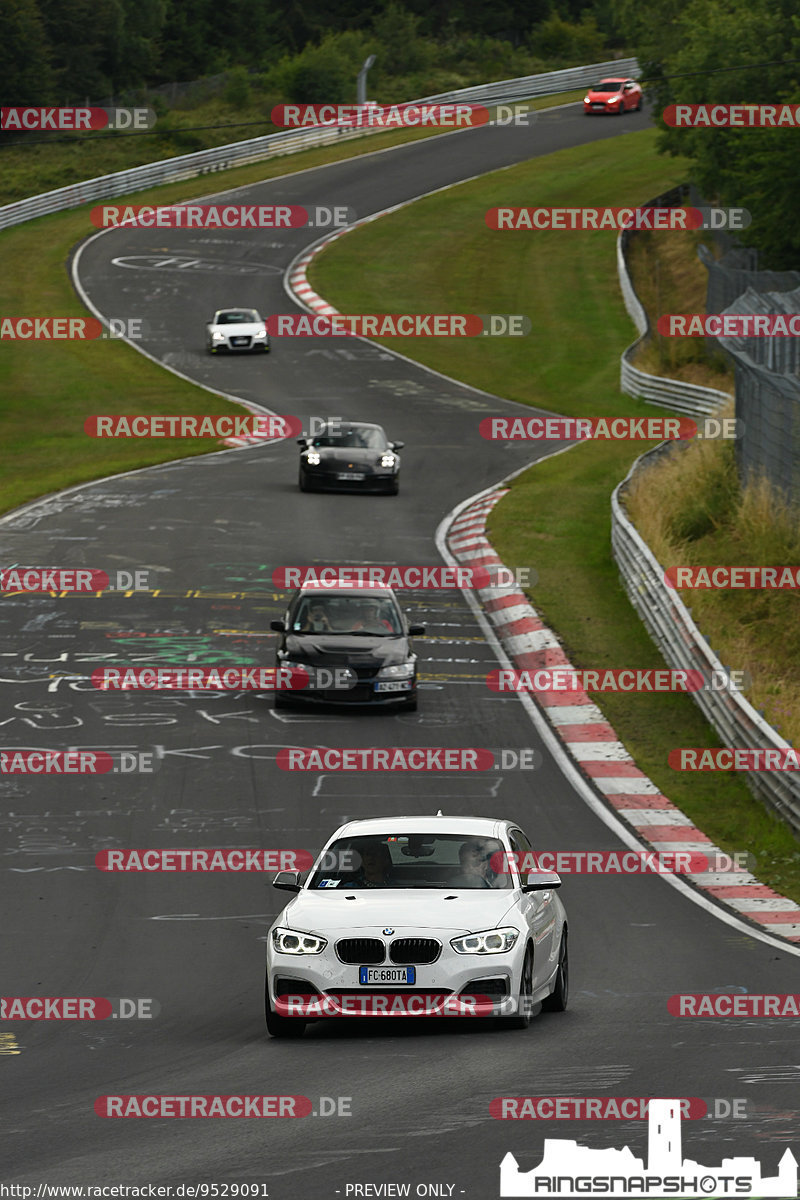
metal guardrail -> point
(670, 625)
(237, 154)
(688, 398)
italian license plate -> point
(350, 475)
(374, 975)
(393, 685)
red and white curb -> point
(594, 745)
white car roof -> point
(472, 826)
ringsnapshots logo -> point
(73, 119)
(568, 1169)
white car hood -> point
(326, 911)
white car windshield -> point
(240, 316)
(413, 860)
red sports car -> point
(613, 96)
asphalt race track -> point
(211, 531)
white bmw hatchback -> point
(424, 911)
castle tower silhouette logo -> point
(569, 1169)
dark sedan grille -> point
(365, 672)
(414, 950)
(361, 951)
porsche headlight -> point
(491, 941)
(313, 458)
(287, 941)
(397, 671)
(388, 460)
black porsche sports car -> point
(349, 455)
(354, 646)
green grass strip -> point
(437, 255)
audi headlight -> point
(262, 333)
(491, 941)
(218, 335)
(286, 941)
(397, 671)
(313, 458)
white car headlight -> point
(218, 335)
(313, 458)
(287, 941)
(261, 333)
(491, 941)
(397, 671)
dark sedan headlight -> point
(287, 941)
(397, 671)
(491, 941)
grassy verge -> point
(438, 256)
(669, 277)
(48, 389)
(31, 169)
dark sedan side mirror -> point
(287, 881)
(302, 441)
(416, 630)
(397, 445)
(278, 626)
(537, 882)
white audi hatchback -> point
(407, 915)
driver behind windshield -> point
(370, 617)
(474, 857)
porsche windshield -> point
(356, 439)
(413, 860)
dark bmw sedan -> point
(354, 644)
(350, 455)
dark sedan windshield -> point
(413, 860)
(369, 616)
(360, 439)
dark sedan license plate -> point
(394, 685)
(351, 475)
(372, 975)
